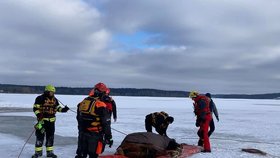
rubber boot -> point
(50, 154)
(206, 151)
(37, 154)
(200, 142)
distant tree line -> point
(249, 96)
(9, 88)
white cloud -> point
(207, 45)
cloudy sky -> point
(216, 46)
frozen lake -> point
(243, 124)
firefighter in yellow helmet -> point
(45, 108)
(203, 118)
(93, 124)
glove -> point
(39, 126)
(39, 116)
(65, 109)
(109, 140)
(197, 123)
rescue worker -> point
(45, 108)
(214, 110)
(203, 118)
(159, 120)
(93, 124)
(111, 104)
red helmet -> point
(101, 87)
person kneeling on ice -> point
(93, 124)
(147, 145)
(159, 120)
(45, 108)
(203, 118)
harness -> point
(49, 106)
(87, 113)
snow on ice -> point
(243, 123)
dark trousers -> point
(89, 144)
(212, 127)
(49, 133)
(79, 150)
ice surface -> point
(243, 124)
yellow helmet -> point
(50, 88)
(193, 94)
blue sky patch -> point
(135, 40)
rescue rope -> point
(76, 112)
(26, 143)
(119, 131)
(65, 105)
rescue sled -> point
(187, 150)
